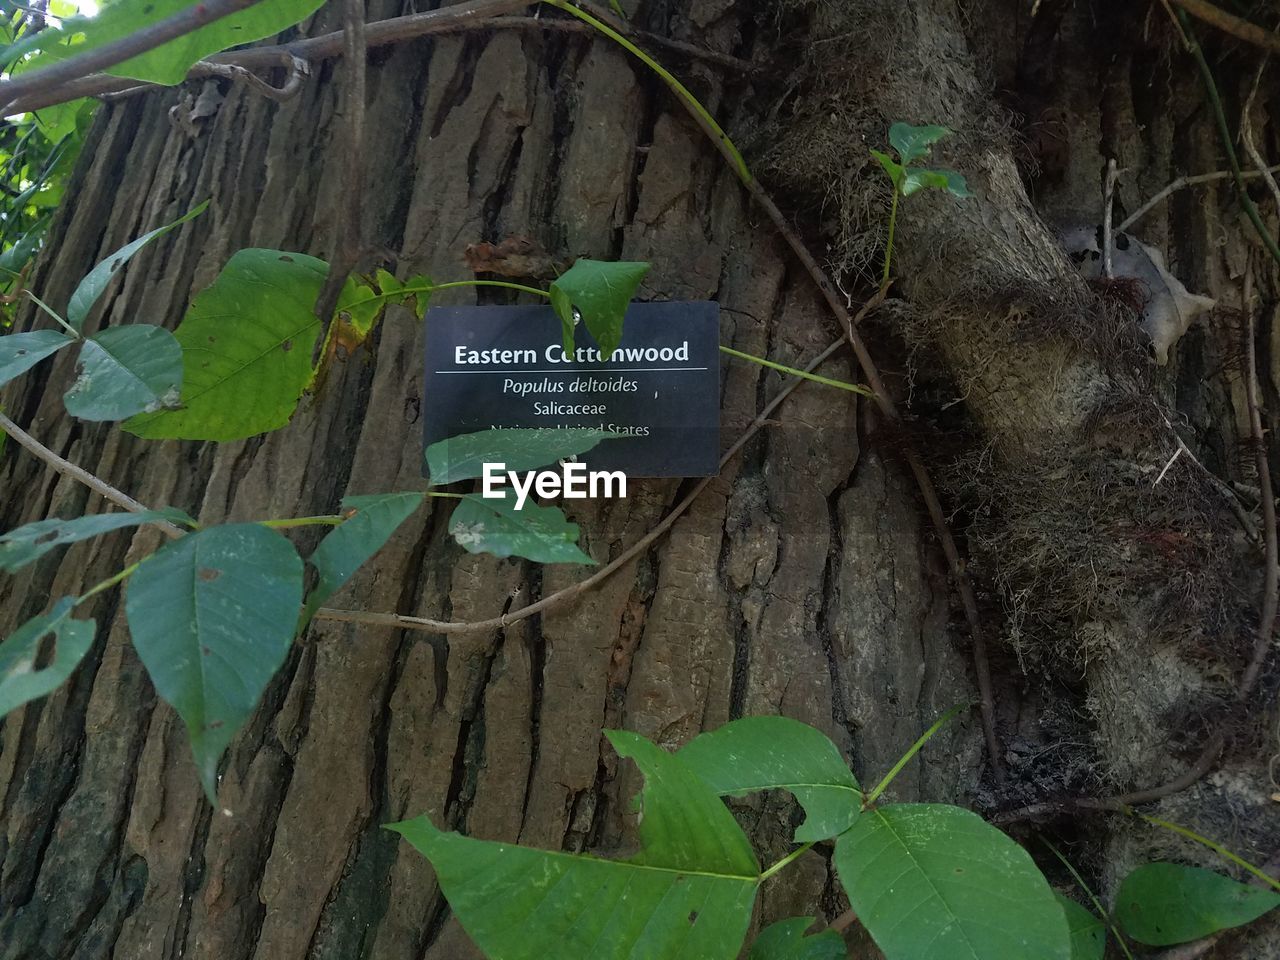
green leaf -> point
(212, 617)
(21, 681)
(891, 167)
(912, 143)
(1165, 903)
(935, 882)
(562, 304)
(785, 940)
(601, 291)
(169, 62)
(345, 548)
(246, 349)
(19, 352)
(416, 289)
(918, 178)
(777, 753)
(1088, 933)
(494, 525)
(95, 282)
(463, 457)
(124, 370)
(28, 543)
(687, 894)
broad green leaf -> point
(346, 547)
(785, 940)
(494, 525)
(562, 304)
(601, 291)
(28, 543)
(463, 457)
(1166, 903)
(212, 617)
(777, 753)
(912, 143)
(95, 281)
(687, 894)
(246, 349)
(19, 352)
(21, 681)
(918, 178)
(169, 62)
(135, 368)
(1088, 933)
(891, 167)
(936, 882)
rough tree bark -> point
(804, 581)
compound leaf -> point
(912, 143)
(778, 753)
(346, 547)
(169, 62)
(1088, 933)
(95, 281)
(28, 543)
(936, 882)
(463, 457)
(494, 525)
(785, 940)
(20, 679)
(212, 617)
(246, 347)
(687, 893)
(602, 291)
(19, 352)
(1166, 903)
(125, 370)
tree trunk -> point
(804, 581)
(796, 584)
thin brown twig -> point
(117, 51)
(843, 922)
(349, 200)
(68, 469)
(1108, 195)
(1183, 182)
(1238, 27)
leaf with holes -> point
(494, 525)
(21, 681)
(1160, 904)
(31, 542)
(1088, 933)
(246, 349)
(601, 291)
(912, 143)
(785, 940)
(687, 893)
(19, 352)
(346, 547)
(463, 457)
(136, 368)
(212, 617)
(95, 281)
(936, 882)
(169, 62)
(777, 753)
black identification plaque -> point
(505, 366)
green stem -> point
(1093, 898)
(53, 313)
(792, 371)
(487, 283)
(1217, 848)
(906, 757)
(1224, 133)
(680, 90)
(328, 521)
(888, 247)
(785, 861)
(450, 496)
(108, 583)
